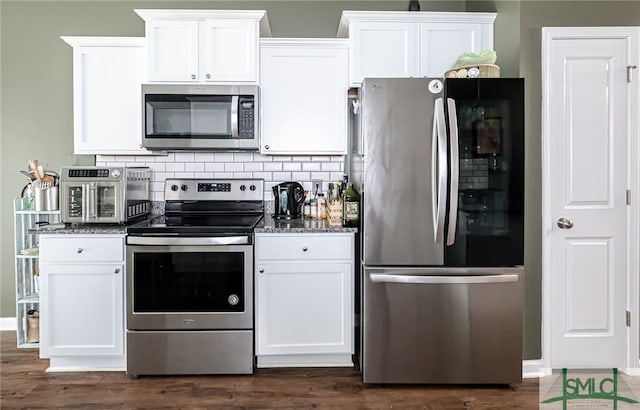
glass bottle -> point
(322, 208)
(350, 206)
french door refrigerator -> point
(440, 167)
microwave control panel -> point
(246, 117)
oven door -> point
(92, 202)
(189, 283)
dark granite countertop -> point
(81, 229)
(300, 225)
(267, 225)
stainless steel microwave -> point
(200, 117)
(112, 195)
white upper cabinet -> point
(411, 44)
(107, 75)
(303, 94)
(204, 45)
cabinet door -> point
(303, 99)
(82, 310)
(228, 50)
(106, 90)
(304, 308)
(382, 50)
(442, 43)
(173, 50)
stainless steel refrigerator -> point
(440, 167)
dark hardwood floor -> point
(25, 385)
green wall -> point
(36, 96)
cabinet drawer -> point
(81, 249)
(304, 247)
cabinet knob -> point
(261, 270)
(304, 249)
(79, 250)
(193, 76)
(116, 270)
(266, 147)
(208, 75)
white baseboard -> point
(532, 369)
(8, 323)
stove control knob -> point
(243, 188)
(174, 187)
(233, 299)
(184, 187)
(252, 187)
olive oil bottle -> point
(350, 207)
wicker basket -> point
(474, 71)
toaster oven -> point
(112, 195)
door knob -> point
(564, 223)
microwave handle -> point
(234, 117)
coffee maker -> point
(289, 198)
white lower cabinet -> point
(82, 299)
(304, 299)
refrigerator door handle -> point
(437, 280)
(440, 131)
(455, 171)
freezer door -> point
(405, 171)
(433, 325)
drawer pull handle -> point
(116, 270)
(261, 270)
(80, 250)
(304, 249)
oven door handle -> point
(163, 240)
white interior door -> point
(586, 179)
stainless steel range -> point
(190, 280)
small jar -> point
(322, 207)
(314, 208)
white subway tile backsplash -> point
(161, 176)
(311, 166)
(281, 176)
(214, 167)
(184, 175)
(184, 156)
(242, 157)
(273, 166)
(203, 157)
(291, 166)
(223, 157)
(301, 159)
(169, 157)
(194, 166)
(233, 167)
(175, 167)
(273, 169)
(262, 158)
(267, 176)
(331, 166)
(157, 166)
(336, 176)
(253, 166)
(325, 176)
(300, 176)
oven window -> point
(188, 282)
